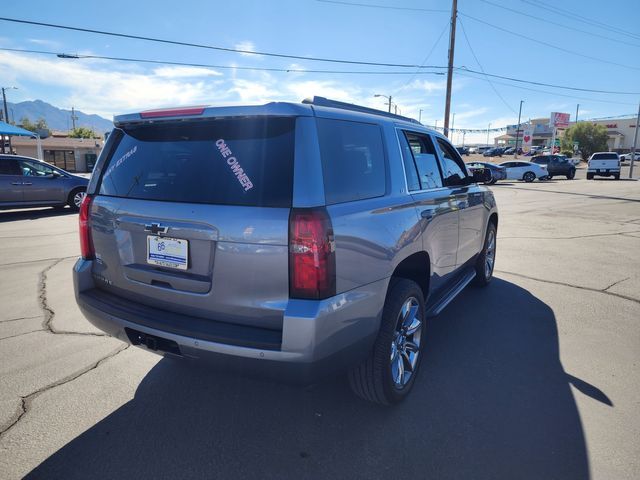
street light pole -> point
(488, 128)
(515, 154)
(6, 112)
(577, 107)
(388, 97)
(420, 116)
(635, 143)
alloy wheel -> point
(78, 197)
(405, 346)
(490, 255)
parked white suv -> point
(604, 164)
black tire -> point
(492, 181)
(372, 380)
(484, 275)
(571, 174)
(73, 197)
(589, 176)
(529, 177)
(617, 176)
(549, 177)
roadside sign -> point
(527, 138)
(559, 120)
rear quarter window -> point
(228, 162)
(353, 163)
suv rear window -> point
(605, 156)
(228, 162)
(352, 160)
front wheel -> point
(617, 176)
(388, 374)
(486, 258)
(571, 174)
(529, 177)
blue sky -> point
(314, 28)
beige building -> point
(72, 154)
(621, 132)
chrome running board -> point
(453, 293)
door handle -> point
(428, 214)
(16, 183)
(27, 183)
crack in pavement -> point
(37, 261)
(570, 238)
(49, 314)
(614, 284)
(27, 399)
(635, 300)
(20, 318)
(21, 334)
(42, 235)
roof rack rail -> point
(327, 102)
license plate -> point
(167, 252)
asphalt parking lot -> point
(537, 376)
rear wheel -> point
(388, 374)
(571, 174)
(75, 198)
(589, 176)
(529, 177)
(617, 176)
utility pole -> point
(73, 117)
(420, 116)
(577, 107)
(515, 154)
(635, 143)
(452, 44)
(6, 116)
(453, 121)
(488, 128)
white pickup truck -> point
(604, 164)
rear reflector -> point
(86, 242)
(312, 256)
(173, 112)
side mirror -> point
(481, 175)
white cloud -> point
(44, 42)
(248, 46)
(185, 72)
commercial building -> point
(72, 154)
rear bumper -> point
(604, 172)
(318, 337)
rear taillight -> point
(86, 242)
(312, 255)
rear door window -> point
(227, 162)
(605, 156)
(9, 166)
(353, 161)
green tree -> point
(591, 138)
(40, 124)
(82, 132)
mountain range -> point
(56, 118)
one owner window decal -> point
(235, 166)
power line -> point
(546, 91)
(579, 18)
(547, 21)
(386, 7)
(464, 33)
(226, 67)
(446, 26)
(292, 70)
(208, 47)
(550, 45)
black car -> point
(463, 150)
(556, 165)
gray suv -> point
(287, 239)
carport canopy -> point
(7, 129)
